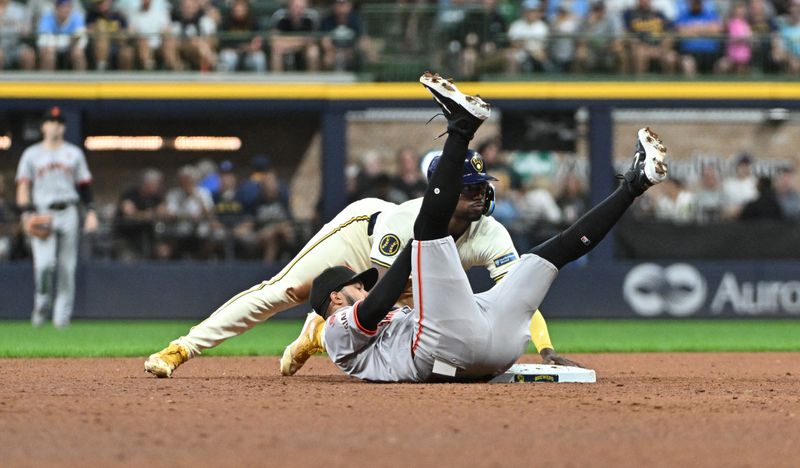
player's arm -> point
(23, 194)
(386, 292)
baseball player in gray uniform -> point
(52, 178)
(453, 334)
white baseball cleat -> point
(649, 165)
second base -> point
(523, 373)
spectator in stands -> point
(698, 28)
(766, 41)
(294, 42)
(369, 169)
(738, 34)
(229, 210)
(450, 30)
(62, 38)
(573, 199)
(343, 38)
(563, 27)
(528, 36)
(740, 188)
(497, 164)
(409, 181)
(250, 189)
(539, 209)
(272, 232)
(242, 48)
(765, 206)
(506, 211)
(708, 196)
(138, 209)
(150, 22)
(673, 203)
(15, 25)
(190, 210)
(651, 39)
(578, 8)
(382, 186)
(600, 47)
(788, 51)
(192, 38)
(787, 195)
(38, 8)
(209, 176)
(484, 41)
(108, 37)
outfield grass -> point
(140, 338)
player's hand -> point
(91, 222)
(550, 356)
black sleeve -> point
(85, 192)
(386, 292)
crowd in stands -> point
(217, 211)
(468, 37)
(209, 214)
(717, 195)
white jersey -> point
(486, 242)
(382, 355)
(53, 173)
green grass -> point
(140, 338)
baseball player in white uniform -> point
(453, 334)
(368, 230)
(52, 178)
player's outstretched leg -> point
(464, 114)
(649, 168)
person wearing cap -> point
(53, 179)
(62, 38)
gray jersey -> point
(53, 173)
(383, 355)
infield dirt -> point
(645, 410)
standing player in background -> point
(363, 233)
(52, 178)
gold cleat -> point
(306, 345)
(164, 362)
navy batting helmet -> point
(474, 173)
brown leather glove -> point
(38, 225)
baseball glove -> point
(38, 225)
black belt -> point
(372, 220)
(58, 206)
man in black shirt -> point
(294, 44)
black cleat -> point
(464, 113)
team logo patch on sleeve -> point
(498, 262)
(389, 245)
